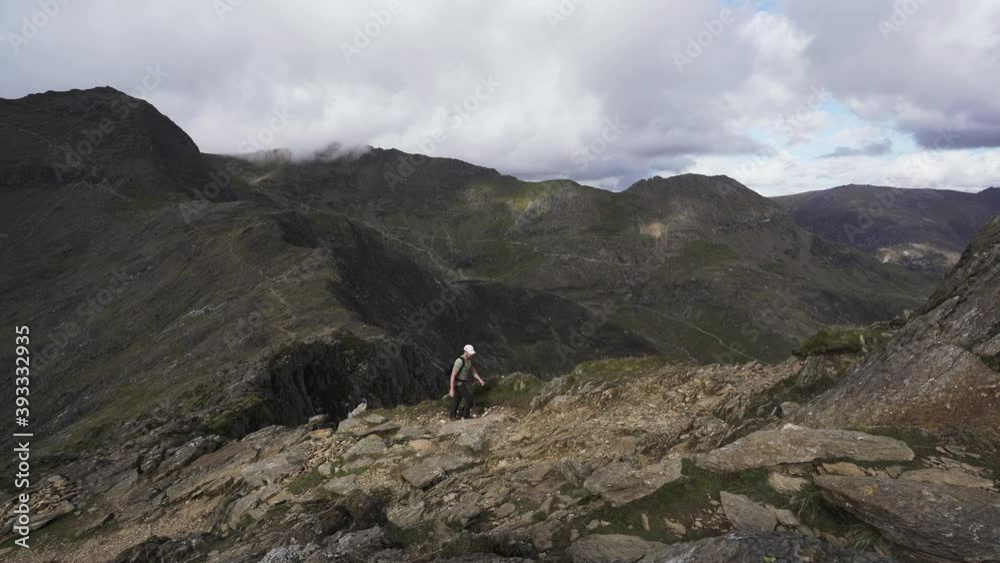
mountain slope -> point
(922, 229)
(356, 276)
(725, 259)
(943, 368)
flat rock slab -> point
(745, 514)
(456, 427)
(384, 428)
(741, 547)
(361, 427)
(798, 444)
(410, 432)
(619, 483)
(941, 520)
(611, 548)
(350, 425)
(945, 477)
(342, 485)
(369, 445)
(274, 468)
(433, 469)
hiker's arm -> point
(451, 391)
(476, 375)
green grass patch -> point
(692, 498)
(683, 501)
(515, 390)
(524, 505)
(841, 340)
(305, 482)
(615, 369)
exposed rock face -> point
(740, 547)
(797, 444)
(941, 368)
(746, 514)
(939, 520)
(619, 483)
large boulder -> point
(370, 445)
(938, 520)
(746, 514)
(610, 548)
(797, 444)
(619, 483)
(741, 547)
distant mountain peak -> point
(96, 135)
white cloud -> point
(558, 84)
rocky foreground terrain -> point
(620, 460)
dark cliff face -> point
(943, 367)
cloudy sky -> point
(783, 95)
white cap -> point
(468, 348)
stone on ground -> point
(369, 445)
(410, 432)
(342, 485)
(842, 468)
(431, 470)
(938, 520)
(798, 444)
(351, 425)
(610, 548)
(274, 468)
(619, 483)
(745, 514)
(421, 445)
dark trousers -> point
(462, 393)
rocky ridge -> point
(618, 461)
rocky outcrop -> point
(797, 444)
(933, 519)
(941, 368)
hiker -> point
(460, 374)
